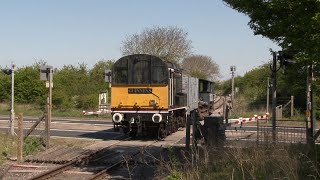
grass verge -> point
(8, 146)
(260, 162)
(33, 144)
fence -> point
(287, 131)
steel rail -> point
(54, 171)
(70, 164)
(102, 174)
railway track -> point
(96, 164)
(103, 173)
(84, 158)
(219, 105)
(57, 155)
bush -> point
(88, 101)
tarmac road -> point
(97, 129)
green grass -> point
(27, 110)
(175, 175)
(7, 147)
(32, 144)
(33, 110)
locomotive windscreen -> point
(140, 69)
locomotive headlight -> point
(157, 118)
(117, 117)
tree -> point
(200, 66)
(169, 43)
(97, 76)
(293, 24)
(28, 86)
(97, 73)
(72, 86)
(5, 86)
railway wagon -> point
(151, 97)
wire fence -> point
(36, 127)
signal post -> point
(11, 121)
(46, 74)
(285, 61)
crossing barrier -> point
(241, 120)
(89, 113)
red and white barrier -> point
(241, 120)
(89, 113)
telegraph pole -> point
(12, 101)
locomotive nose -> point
(117, 117)
(156, 118)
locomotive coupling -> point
(157, 118)
(117, 117)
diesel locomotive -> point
(152, 97)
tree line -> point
(75, 86)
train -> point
(152, 97)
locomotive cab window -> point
(140, 69)
(120, 71)
(159, 72)
(205, 86)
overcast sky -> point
(78, 31)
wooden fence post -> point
(20, 138)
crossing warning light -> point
(7, 71)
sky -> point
(63, 32)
